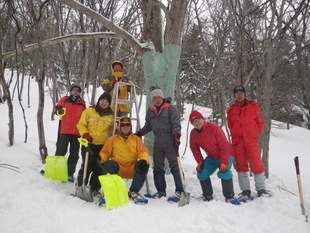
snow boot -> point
(71, 179)
(264, 193)
(245, 196)
(175, 198)
(137, 198)
(158, 195)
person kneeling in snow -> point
(125, 154)
(211, 138)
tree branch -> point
(106, 23)
(56, 40)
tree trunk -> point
(266, 104)
(7, 95)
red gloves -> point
(223, 167)
(199, 166)
(88, 137)
(177, 140)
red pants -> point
(248, 155)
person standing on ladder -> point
(69, 108)
(95, 126)
(117, 68)
(125, 154)
(163, 119)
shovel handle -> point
(85, 167)
(296, 160)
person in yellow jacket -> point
(117, 68)
(126, 155)
(95, 125)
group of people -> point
(125, 154)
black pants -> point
(159, 154)
(227, 188)
(62, 148)
(112, 167)
(93, 168)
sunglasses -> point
(125, 124)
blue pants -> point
(209, 167)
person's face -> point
(103, 103)
(125, 128)
(157, 100)
(117, 67)
(198, 123)
(75, 91)
(239, 96)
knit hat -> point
(195, 115)
(117, 62)
(125, 120)
(75, 86)
(106, 96)
(239, 88)
(156, 92)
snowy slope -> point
(31, 203)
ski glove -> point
(88, 137)
(59, 110)
(223, 167)
(199, 166)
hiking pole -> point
(301, 195)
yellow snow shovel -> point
(114, 190)
(56, 168)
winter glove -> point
(199, 166)
(223, 167)
(59, 110)
(88, 137)
(138, 133)
(177, 141)
(142, 166)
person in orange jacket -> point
(125, 154)
(246, 123)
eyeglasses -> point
(125, 124)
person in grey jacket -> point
(163, 119)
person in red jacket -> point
(70, 108)
(246, 123)
(211, 138)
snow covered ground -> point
(31, 203)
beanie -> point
(106, 96)
(239, 88)
(195, 115)
(157, 92)
(75, 86)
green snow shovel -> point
(84, 191)
(56, 168)
(114, 190)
